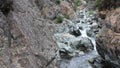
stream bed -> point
(76, 40)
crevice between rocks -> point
(6, 7)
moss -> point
(58, 19)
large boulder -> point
(108, 40)
(67, 9)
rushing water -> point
(79, 32)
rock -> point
(90, 33)
(64, 41)
(109, 39)
(1, 32)
(51, 12)
(71, 43)
(82, 44)
(86, 44)
(64, 54)
(76, 33)
(66, 8)
(96, 62)
(114, 20)
(27, 41)
(108, 46)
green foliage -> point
(77, 3)
(98, 3)
(59, 19)
(58, 1)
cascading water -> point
(76, 39)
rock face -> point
(108, 41)
(25, 38)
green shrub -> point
(58, 1)
(77, 3)
(59, 19)
(98, 3)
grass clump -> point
(58, 19)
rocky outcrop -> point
(108, 40)
(25, 37)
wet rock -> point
(76, 33)
(86, 44)
(64, 54)
(98, 62)
(70, 43)
(90, 33)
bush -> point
(77, 3)
(98, 4)
(58, 1)
(59, 19)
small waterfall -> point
(76, 37)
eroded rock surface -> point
(25, 38)
(108, 41)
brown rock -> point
(114, 19)
(66, 9)
(108, 42)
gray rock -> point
(29, 36)
(90, 33)
(85, 44)
(76, 33)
